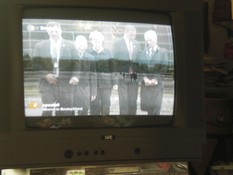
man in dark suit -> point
(54, 58)
(105, 77)
(153, 63)
(125, 51)
(84, 79)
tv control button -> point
(96, 152)
(102, 152)
(86, 153)
(68, 154)
(137, 151)
(79, 153)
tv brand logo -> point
(33, 105)
(109, 137)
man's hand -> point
(93, 97)
(51, 79)
(149, 82)
(74, 81)
(154, 82)
(115, 87)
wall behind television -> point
(217, 35)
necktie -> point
(54, 52)
(150, 53)
(54, 55)
(130, 49)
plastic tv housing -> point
(177, 134)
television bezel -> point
(35, 148)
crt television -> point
(47, 99)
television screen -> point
(97, 73)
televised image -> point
(82, 68)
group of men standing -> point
(75, 75)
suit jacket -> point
(85, 71)
(42, 59)
(42, 62)
(154, 66)
(106, 78)
(42, 49)
(121, 54)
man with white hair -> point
(153, 65)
